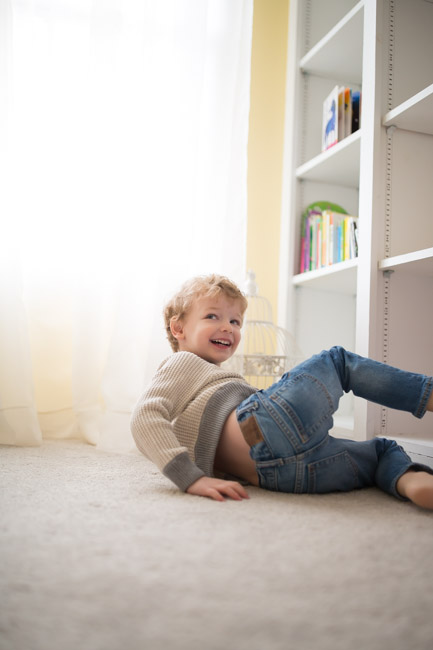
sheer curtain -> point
(123, 136)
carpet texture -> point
(100, 552)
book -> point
(341, 115)
(307, 228)
(328, 236)
(341, 121)
(347, 111)
(330, 120)
(356, 110)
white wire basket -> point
(266, 351)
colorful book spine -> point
(341, 115)
(327, 238)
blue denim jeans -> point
(287, 425)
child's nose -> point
(227, 326)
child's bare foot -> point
(418, 487)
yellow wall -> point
(265, 146)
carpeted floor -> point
(100, 552)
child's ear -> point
(176, 328)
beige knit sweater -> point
(178, 420)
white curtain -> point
(123, 140)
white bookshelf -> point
(339, 278)
(340, 161)
(415, 114)
(381, 304)
(324, 59)
(419, 262)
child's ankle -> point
(417, 487)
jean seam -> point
(274, 462)
(273, 413)
(294, 417)
(420, 412)
(295, 458)
(299, 477)
(316, 380)
(285, 406)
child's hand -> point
(216, 488)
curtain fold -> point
(124, 166)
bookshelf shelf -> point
(325, 60)
(415, 114)
(340, 161)
(338, 278)
(418, 263)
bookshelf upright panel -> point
(406, 264)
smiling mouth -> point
(221, 343)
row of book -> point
(327, 237)
(341, 115)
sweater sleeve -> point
(175, 382)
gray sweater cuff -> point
(182, 471)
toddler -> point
(212, 433)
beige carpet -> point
(100, 552)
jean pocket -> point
(305, 402)
(336, 473)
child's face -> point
(211, 329)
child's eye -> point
(236, 322)
(211, 316)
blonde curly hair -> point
(201, 286)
